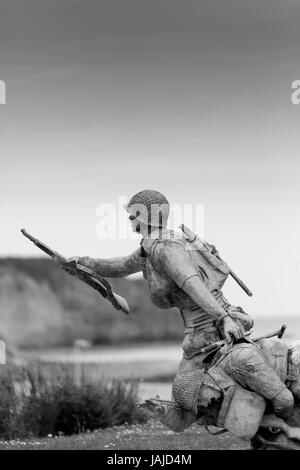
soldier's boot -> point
(246, 364)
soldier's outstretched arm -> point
(113, 267)
(176, 262)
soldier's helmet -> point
(149, 207)
(186, 388)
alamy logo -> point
(113, 222)
(2, 353)
(296, 94)
(2, 92)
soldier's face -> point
(135, 225)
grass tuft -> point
(38, 403)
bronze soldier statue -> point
(181, 276)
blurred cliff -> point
(41, 306)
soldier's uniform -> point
(179, 277)
(167, 265)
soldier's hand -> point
(155, 406)
(70, 265)
(232, 330)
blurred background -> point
(106, 98)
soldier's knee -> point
(248, 359)
(283, 403)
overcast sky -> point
(191, 98)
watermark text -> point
(2, 353)
(296, 94)
(113, 221)
(2, 92)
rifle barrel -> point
(192, 237)
(45, 248)
(240, 283)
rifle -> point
(219, 344)
(198, 242)
(87, 275)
